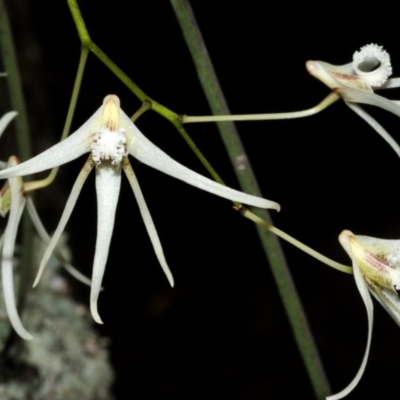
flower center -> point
(372, 63)
(108, 145)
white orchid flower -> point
(376, 267)
(13, 199)
(109, 136)
(356, 82)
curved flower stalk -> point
(110, 136)
(376, 265)
(356, 82)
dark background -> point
(222, 331)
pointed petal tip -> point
(19, 328)
(28, 337)
(312, 67)
(168, 273)
(345, 239)
(95, 313)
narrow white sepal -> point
(69, 149)
(365, 295)
(148, 221)
(41, 230)
(145, 151)
(5, 120)
(17, 207)
(375, 125)
(108, 183)
(391, 84)
(358, 96)
(76, 189)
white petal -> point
(41, 230)
(17, 207)
(146, 152)
(108, 183)
(5, 120)
(364, 292)
(390, 301)
(148, 221)
(358, 96)
(76, 189)
(378, 127)
(391, 83)
(69, 149)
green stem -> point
(174, 118)
(75, 92)
(14, 85)
(330, 99)
(23, 140)
(247, 179)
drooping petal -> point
(41, 230)
(364, 292)
(148, 221)
(69, 149)
(76, 189)
(108, 183)
(146, 152)
(5, 120)
(389, 300)
(17, 207)
(375, 125)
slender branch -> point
(330, 99)
(35, 185)
(290, 239)
(146, 106)
(270, 243)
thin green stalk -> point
(330, 99)
(23, 140)
(247, 179)
(296, 243)
(35, 185)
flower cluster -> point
(109, 137)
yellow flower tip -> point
(111, 117)
(345, 239)
(321, 71)
(312, 68)
(13, 160)
(377, 259)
